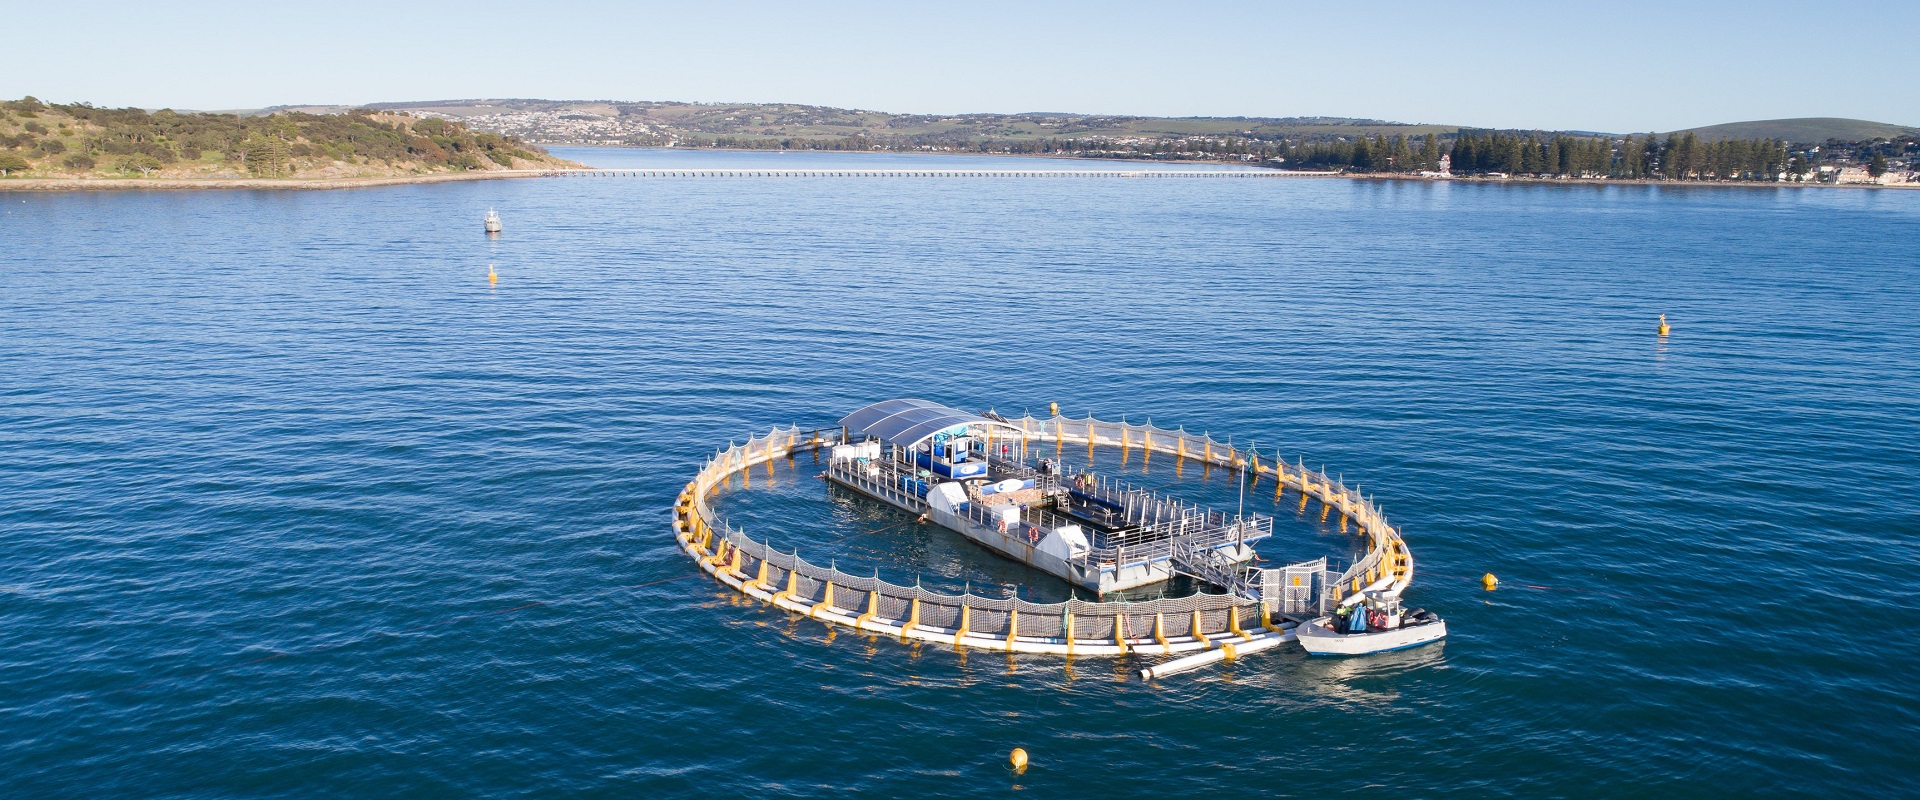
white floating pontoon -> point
(1096, 533)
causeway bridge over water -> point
(933, 173)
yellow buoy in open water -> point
(492, 277)
(1018, 758)
(1490, 582)
(1663, 324)
(1053, 408)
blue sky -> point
(1619, 66)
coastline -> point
(969, 154)
(164, 184)
(1389, 176)
(1145, 163)
(110, 184)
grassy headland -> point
(65, 146)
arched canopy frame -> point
(907, 422)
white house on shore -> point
(1858, 175)
(1446, 168)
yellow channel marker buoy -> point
(1663, 324)
(1490, 582)
(492, 277)
(1018, 758)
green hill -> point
(1803, 129)
(43, 140)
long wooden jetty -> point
(934, 173)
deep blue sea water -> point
(294, 503)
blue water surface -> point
(293, 502)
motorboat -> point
(1376, 623)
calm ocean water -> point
(293, 503)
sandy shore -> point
(83, 184)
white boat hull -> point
(1320, 640)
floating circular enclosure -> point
(1255, 614)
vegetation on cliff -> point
(81, 140)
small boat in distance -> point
(493, 221)
(1375, 624)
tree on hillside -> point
(143, 162)
(1877, 166)
(1363, 155)
(1430, 152)
(1633, 162)
(264, 155)
(1464, 158)
(12, 163)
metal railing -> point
(1386, 565)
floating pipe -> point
(1223, 652)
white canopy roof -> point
(909, 422)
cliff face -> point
(79, 141)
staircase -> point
(1212, 566)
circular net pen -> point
(1259, 616)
